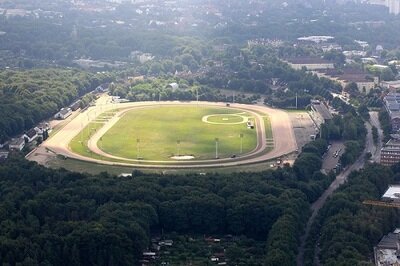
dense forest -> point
(55, 217)
(348, 229)
(158, 90)
(28, 97)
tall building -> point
(390, 153)
(393, 5)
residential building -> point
(392, 194)
(391, 85)
(16, 144)
(364, 82)
(369, 60)
(393, 5)
(63, 114)
(392, 105)
(310, 63)
(75, 105)
(3, 155)
(2, 145)
(387, 252)
(354, 53)
(315, 39)
(390, 153)
(264, 42)
(31, 135)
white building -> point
(393, 5)
(31, 135)
(310, 63)
(63, 114)
(392, 194)
(17, 144)
(316, 39)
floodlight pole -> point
(241, 143)
(81, 132)
(216, 148)
(137, 149)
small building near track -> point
(31, 135)
(320, 112)
(63, 114)
(16, 144)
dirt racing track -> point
(283, 136)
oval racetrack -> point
(282, 131)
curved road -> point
(284, 139)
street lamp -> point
(81, 132)
(178, 142)
(216, 148)
(241, 143)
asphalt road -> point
(376, 152)
(340, 179)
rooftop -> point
(308, 60)
(31, 133)
(315, 39)
(64, 111)
(322, 110)
(393, 192)
(17, 142)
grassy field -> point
(168, 131)
(95, 169)
(79, 142)
(268, 128)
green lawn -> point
(79, 142)
(268, 128)
(160, 128)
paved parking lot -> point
(331, 157)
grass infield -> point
(158, 133)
